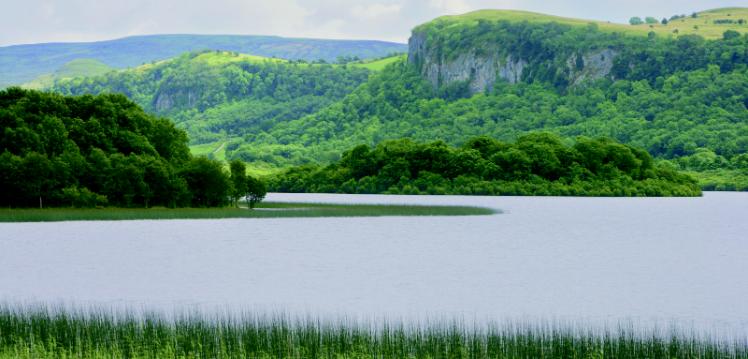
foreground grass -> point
(264, 210)
(44, 333)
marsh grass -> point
(41, 332)
(264, 210)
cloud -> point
(451, 6)
(87, 20)
(376, 10)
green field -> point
(215, 150)
(702, 25)
(75, 68)
(379, 64)
(263, 210)
(40, 332)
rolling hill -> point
(23, 63)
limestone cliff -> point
(482, 65)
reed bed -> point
(41, 332)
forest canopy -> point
(535, 164)
(100, 150)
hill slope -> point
(219, 95)
(22, 63)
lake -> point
(582, 260)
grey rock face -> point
(597, 65)
(166, 101)
(482, 71)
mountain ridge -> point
(22, 63)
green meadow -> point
(710, 24)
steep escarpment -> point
(509, 52)
(477, 49)
(479, 69)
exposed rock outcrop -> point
(165, 101)
(481, 67)
(595, 65)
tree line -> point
(87, 151)
(535, 164)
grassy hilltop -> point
(706, 24)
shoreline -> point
(263, 210)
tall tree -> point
(238, 181)
(256, 191)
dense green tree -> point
(256, 191)
(536, 164)
(37, 176)
(98, 150)
(238, 181)
(209, 184)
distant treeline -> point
(102, 150)
(536, 164)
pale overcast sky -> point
(33, 21)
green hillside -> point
(682, 99)
(20, 64)
(75, 68)
(219, 96)
(710, 24)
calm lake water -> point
(667, 260)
